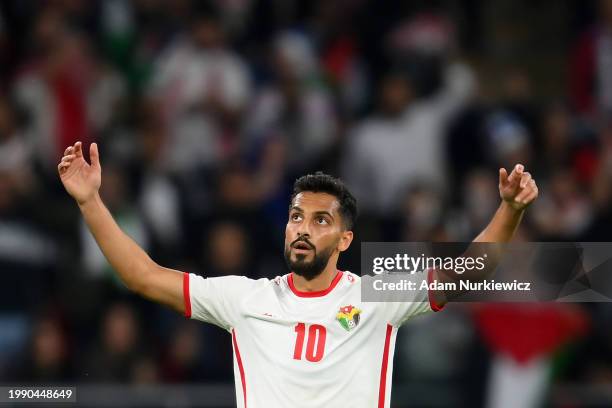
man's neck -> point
(320, 283)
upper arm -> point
(415, 302)
(437, 298)
(164, 286)
(216, 300)
(212, 300)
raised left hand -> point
(517, 189)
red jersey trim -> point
(240, 367)
(317, 293)
(186, 295)
(432, 303)
(383, 368)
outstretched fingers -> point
(65, 163)
(94, 155)
(528, 193)
(78, 149)
(69, 155)
(503, 176)
(525, 179)
(516, 175)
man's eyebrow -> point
(324, 213)
(321, 212)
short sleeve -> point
(215, 300)
(423, 302)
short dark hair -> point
(324, 183)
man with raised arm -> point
(304, 339)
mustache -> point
(304, 240)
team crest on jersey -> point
(348, 317)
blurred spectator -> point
(134, 33)
(144, 371)
(441, 353)
(590, 72)
(257, 200)
(426, 33)
(202, 87)
(422, 43)
(295, 107)
(517, 98)
(47, 360)
(159, 197)
(509, 140)
(27, 249)
(5, 50)
(403, 144)
(115, 356)
(226, 251)
(423, 211)
(15, 153)
(479, 200)
(334, 27)
(601, 191)
(557, 139)
(67, 93)
(183, 362)
(563, 211)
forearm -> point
(517, 191)
(125, 256)
(503, 225)
(488, 244)
(134, 267)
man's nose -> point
(303, 232)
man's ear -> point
(345, 241)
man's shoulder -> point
(351, 278)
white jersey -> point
(304, 349)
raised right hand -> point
(81, 179)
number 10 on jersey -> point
(315, 342)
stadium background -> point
(206, 112)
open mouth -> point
(301, 246)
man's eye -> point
(321, 220)
(296, 217)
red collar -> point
(317, 293)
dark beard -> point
(308, 270)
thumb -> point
(503, 176)
(94, 156)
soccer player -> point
(304, 339)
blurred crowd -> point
(206, 112)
